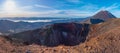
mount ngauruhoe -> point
(99, 17)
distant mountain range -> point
(14, 25)
(7, 26)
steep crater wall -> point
(57, 34)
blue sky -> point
(57, 8)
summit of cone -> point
(104, 15)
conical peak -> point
(103, 14)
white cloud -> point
(114, 6)
(116, 13)
(89, 7)
(73, 13)
(74, 1)
(29, 14)
(109, 8)
(27, 7)
(41, 6)
(36, 6)
(32, 21)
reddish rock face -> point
(56, 34)
(67, 34)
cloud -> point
(27, 11)
(42, 6)
(114, 6)
(116, 13)
(36, 6)
(114, 9)
(32, 21)
(29, 14)
(27, 7)
(75, 13)
(74, 1)
(109, 8)
(89, 7)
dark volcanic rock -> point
(56, 34)
(96, 21)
